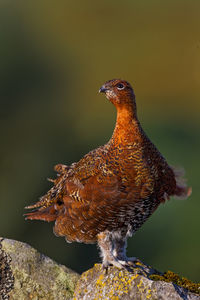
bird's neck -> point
(127, 129)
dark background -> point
(54, 56)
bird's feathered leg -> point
(119, 241)
(106, 246)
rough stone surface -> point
(118, 284)
(27, 274)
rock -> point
(27, 274)
(121, 284)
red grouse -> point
(107, 195)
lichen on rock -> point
(31, 275)
(6, 275)
(27, 274)
(118, 284)
(170, 276)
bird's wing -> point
(98, 198)
(89, 205)
(91, 196)
(78, 183)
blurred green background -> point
(54, 56)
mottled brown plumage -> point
(111, 191)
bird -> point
(108, 194)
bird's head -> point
(119, 92)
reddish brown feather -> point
(48, 214)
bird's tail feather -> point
(182, 190)
(48, 214)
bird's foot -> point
(126, 263)
(131, 261)
(112, 262)
(134, 262)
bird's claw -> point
(127, 264)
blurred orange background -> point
(54, 56)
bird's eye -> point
(120, 86)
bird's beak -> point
(103, 89)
